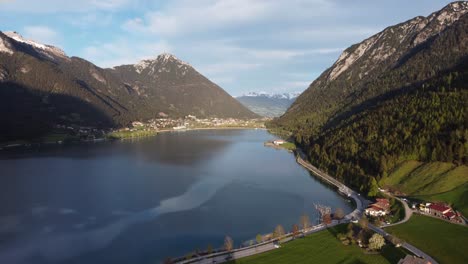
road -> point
(408, 211)
(361, 204)
(405, 245)
(253, 250)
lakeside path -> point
(408, 211)
(361, 203)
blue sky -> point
(242, 45)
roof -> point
(450, 214)
(374, 208)
(383, 200)
(413, 260)
(439, 207)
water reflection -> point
(133, 199)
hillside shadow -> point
(28, 114)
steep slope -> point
(398, 95)
(176, 88)
(40, 87)
(268, 105)
(377, 65)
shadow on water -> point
(235, 187)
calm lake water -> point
(144, 200)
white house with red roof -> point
(379, 208)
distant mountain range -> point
(398, 95)
(268, 105)
(41, 86)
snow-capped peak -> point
(160, 61)
(167, 57)
(288, 96)
(41, 47)
(5, 46)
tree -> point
(279, 231)
(295, 230)
(259, 238)
(339, 213)
(350, 233)
(326, 219)
(228, 243)
(209, 249)
(376, 242)
(305, 222)
(373, 188)
(363, 222)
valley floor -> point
(445, 242)
(323, 247)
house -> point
(424, 207)
(450, 215)
(439, 209)
(379, 208)
(279, 142)
(413, 260)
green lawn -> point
(323, 247)
(400, 172)
(131, 134)
(447, 243)
(457, 197)
(416, 178)
(288, 146)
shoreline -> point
(62, 143)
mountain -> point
(268, 105)
(398, 95)
(176, 88)
(40, 86)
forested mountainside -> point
(398, 95)
(40, 86)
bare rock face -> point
(5, 46)
(394, 41)
(398, 56)
(3, 75)
(47, 51)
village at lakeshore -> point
(347, 242)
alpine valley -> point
(392, 109)
(40, 86)
(268, 105)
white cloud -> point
(42, 34)
(56, 6)
(91, 19)
(187, 16)
(227, 67)
(123, 51)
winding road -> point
(361, 204)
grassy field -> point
(457, 197)
(288, 146)
(323, 247)
(122, 134)
(447, 243)
(400, 172)
(416, 178)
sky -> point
(275, 46)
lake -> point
(140, 201)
